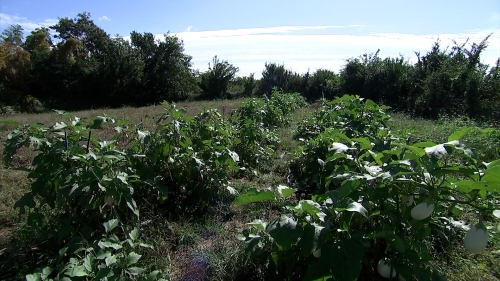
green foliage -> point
(366, 205)
(322, 84)
(76, 175)
(255, 122)
(350, 115)
(242, 86)
(187, 160)
(87, 68)
(110, 258)
(167, 75)
(451, 81)
(276, 75)
(215, 82)
(387, 81)
(12, 35)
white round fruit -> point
(475, 240)
(384, 269)
(317, 253)
(422, 211)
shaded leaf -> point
(285, 231)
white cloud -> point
(300, 48)
(188, 29)
(7, 20)
(104, 18)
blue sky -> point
(301, 34)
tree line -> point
(76, 65)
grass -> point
(183, 248)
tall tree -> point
(12, 35)
(14, 66)
(215, 82)
(167, 73)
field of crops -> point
(255, 189)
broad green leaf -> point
(415, 149)
(102, 273)
(459, 134)
(494, 163)
(133, 258)
(285, 191)
(311, 239)
(134, 234)
(77, 271)
(135, 270)
(254, 195)
(357, 207)
(310, 207)
(347, 187)
(285, 231)
(110, 225)
(110, 260)
(34, 277)
(133, 206)
(46, 271)
(102, 254)
(87, 262)
(492, 178)
(363, 142)
(108, 244)
(258, 224)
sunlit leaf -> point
(254, 195)
(459, 134)
(133, 258)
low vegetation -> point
(183, 175)
(258, 189)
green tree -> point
(167, 74)
(12, 35)
(276, 75)
(243, 86)
(14, 66)
(323, 83)
(215, 82)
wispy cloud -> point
(188, 29)
(7, 20)
(301, 47)
(104, 18)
